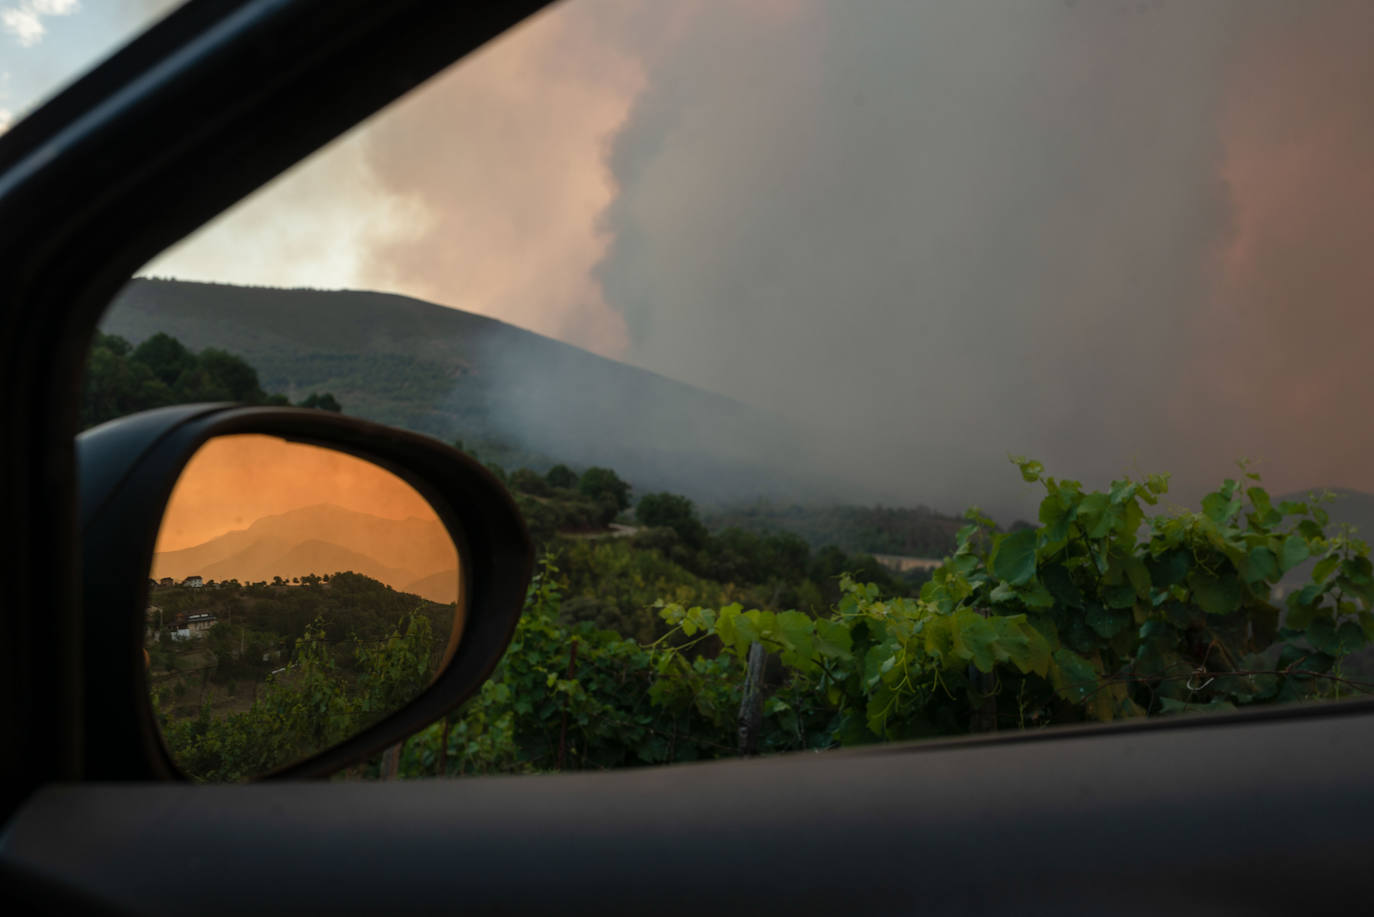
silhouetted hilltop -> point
(519, 397)
(324, 539)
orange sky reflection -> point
(233, 481)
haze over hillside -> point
(456, 375)
(528, 399)
(410, 555)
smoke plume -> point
(1117, 236)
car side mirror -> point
(272, 592)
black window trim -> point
(1262, 812)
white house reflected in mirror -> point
(297, 595)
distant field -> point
(902, 564)
(916, 535)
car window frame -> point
(133, 156)
(135, 137)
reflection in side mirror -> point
(298, 595)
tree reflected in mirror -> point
(297, 596)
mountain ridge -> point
(524, 397)
(323, 539)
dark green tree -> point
(116, 384)
(167, 357)
(604, 485)
(232, 375)
(561, 475)
(322, 401)
(529, 481)
(121, 380)
(673, 511)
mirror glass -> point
(298, 594)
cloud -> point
(932, 231)
(25, 20)
(1280, 364)
(23, 23)
(6, 119)
(316, 225)
(1117, 236)
(483, 191)
(506, 154)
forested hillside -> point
(1112, 608)
(614, 577)
(1102, 612)
(918, 532)
(286, 669)
(123, 379)
(514, 396)
(640, 635)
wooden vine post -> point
(751, 704)
(391, 762)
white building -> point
(196, 626)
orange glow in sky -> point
(235, 480)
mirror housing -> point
(127, 469)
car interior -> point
(1208, 789)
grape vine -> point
(1112, 607)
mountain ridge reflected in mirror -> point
(405, 554)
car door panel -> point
(1256, 815)
(1250, 814)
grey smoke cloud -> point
(1118, 236)
(945, 232)
(938, 232)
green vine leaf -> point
(1293, 552)
(1261, 565)
(1014, 558)
(1215, 595)
(1074, 677)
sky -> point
(46, 43)
(1120, 236)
